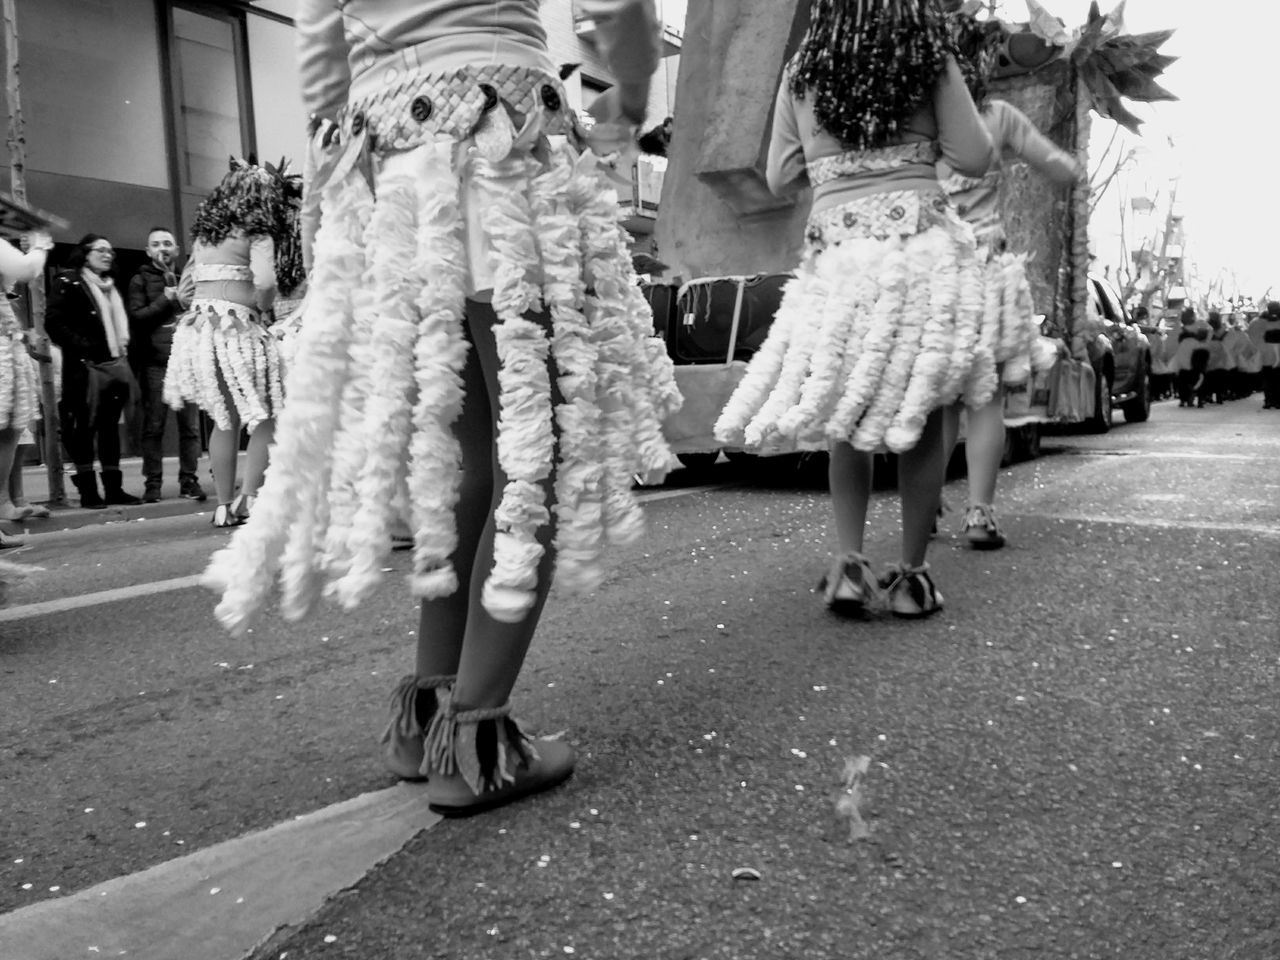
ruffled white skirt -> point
(19, 377)
(1008, 330)
(223, 352)
(376, 384)
(879, 328)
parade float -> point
(730, 243)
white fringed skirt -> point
(223, 352)
(879, 328)
(1008, 330)
(19, 381)
(376, 383)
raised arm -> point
(1022, 141)
(629, 37)
(962, 136)
(18, 267)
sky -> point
(1220, 141)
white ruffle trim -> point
(865, 344)
(221, 344)
(19, 383)
(376, 387)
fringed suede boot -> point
(414, 704)
(477, 760)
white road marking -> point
(63, 604)
(1208, 526)
(222, 901)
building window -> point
(91, 91)
(209, 95)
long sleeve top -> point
(15, 267)
(950, 118)
(347, 49)
(1015, 138)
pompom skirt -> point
(1008, 331)
(222, 351)
(375, 386)
(19, 380)
(879, 328)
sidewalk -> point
(70, 515)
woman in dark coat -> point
(87, 319)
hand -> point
(171, 293)
(36, 240)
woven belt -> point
(826, 169)
(426, 106)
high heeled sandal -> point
(224, 516)
(242, 506)
(414, 703)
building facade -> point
(133, 107)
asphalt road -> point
(1077, 759)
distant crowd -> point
(1226, 356)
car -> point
(1121, 357)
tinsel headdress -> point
(868, 65)
(973, 44)
(256, 199)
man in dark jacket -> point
(154, 311)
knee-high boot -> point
(113, 486)
(86, 482)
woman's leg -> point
(8, 453)
(224, 449)
(443, 621)
(257, 457)
(983, 450)
(493, 652)
(106, 429)
(921, 473)
(849, 479)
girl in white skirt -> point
(224, 358)
(1009, 329)
(474, 353)
(878, 331)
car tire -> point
(1103, 412)
(1138, 410)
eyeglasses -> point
(106, 250)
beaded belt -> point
(425, 106)
(826, 169)
(898, 213)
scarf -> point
(115, 322)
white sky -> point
(1225, 129)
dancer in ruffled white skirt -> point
(474, 353)
(1008, 331)
(879, 329)
(19, 385)
(224, 358)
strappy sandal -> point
(242, 506)
(849, 588)
(225, 516)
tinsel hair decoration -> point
(973, 44)
(868, 65)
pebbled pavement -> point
(1078, 759)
